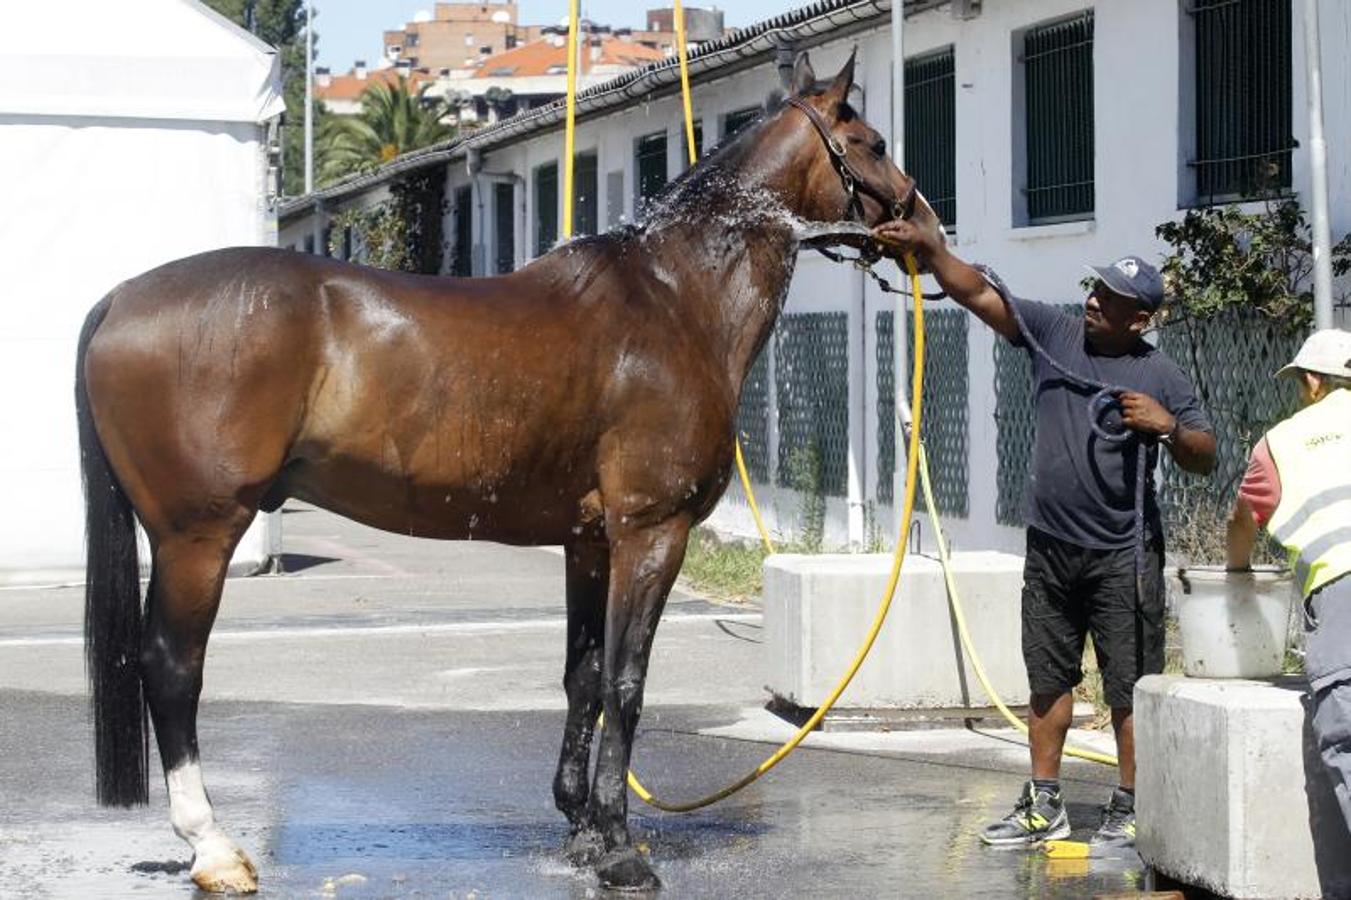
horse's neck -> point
(737, 254)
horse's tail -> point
(112, 609)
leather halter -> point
(854, 183)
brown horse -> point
(586, 400)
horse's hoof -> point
(222, 868)
(626, 870)
(584, 848)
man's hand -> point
(1146, 415)
(962, 283)
(900, 236)
(1191, 449)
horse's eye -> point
(880, 148)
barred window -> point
(735, 121)
(546, 207)
(586, 199)
(464, 233)
(1243, 104)
(931, 130)
(698, 143)
(651, 160)
(1058, 99)
(504, 213)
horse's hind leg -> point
(588, 575)
(189, 573)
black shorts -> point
(1070, 591)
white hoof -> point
(219, 867)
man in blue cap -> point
(1080, 575)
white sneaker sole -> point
(1055, 834)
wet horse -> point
(586, 400)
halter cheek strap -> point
(854, 183)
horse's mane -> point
(711, 184)
(713, 177)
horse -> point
(586, 400)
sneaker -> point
(1037, 816)
(1117, 830)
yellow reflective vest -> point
(1312, 452)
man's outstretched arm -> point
(962, 282)
(1241, 536)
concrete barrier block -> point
(819, 608)
(1230, 793)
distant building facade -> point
(457, 35)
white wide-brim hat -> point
(1326, 352)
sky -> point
(348, 30)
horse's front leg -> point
(588, 576)
(644, 562)
(183, 598)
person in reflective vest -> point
(1298, 485)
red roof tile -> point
(539, 57)
(350, 87)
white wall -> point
(89, 203)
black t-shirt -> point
(1081, 488)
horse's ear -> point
(804, 77)
(839, 88)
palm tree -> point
(393, 120)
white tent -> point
(130, 134)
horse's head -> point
(850, 176)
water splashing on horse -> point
(586, 400)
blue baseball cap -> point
(1132, 277)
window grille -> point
(1243, 98)
(812, 390)
(546, 208)
(504, 213)
(586, 202)
(931, 130)
(698, 144)
(946, 425)
(735, 121)
(1058, 88)
(464, 233)
(651, 160)
(752, 418)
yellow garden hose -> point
(570, 121)
(685, 82)
(915, 464)
(750, 498)
(912, 461)
(899, 556)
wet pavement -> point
(368, 732)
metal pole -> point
(309, 96)
(900, 330)
(1318, 167)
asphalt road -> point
(384, 722)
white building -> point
(139, 137)
(1051, 133)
